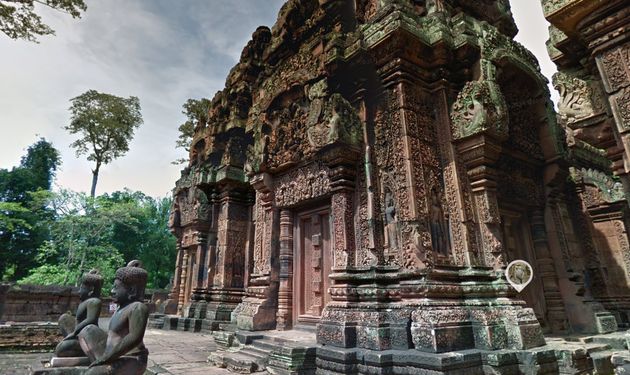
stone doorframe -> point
(335, 183)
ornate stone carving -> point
(578, 97)
(343, 230)
(614, 64)
(302, 184)
(193, 206)
(480, 107)
(609, 189)
(621, 107)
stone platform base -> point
(60, 371)
(177, 323)
(29, 337)
(69, 362)
(296, 352)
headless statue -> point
(120, 350)
(87, 313)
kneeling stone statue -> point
(121, 350)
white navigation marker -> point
(519, 274)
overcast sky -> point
(162, 51)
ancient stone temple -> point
(370, 169)
(590, 44)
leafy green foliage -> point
(197, 114)
(105, 124)
(18, 19)
(105, 233)
(9, 219)
(23, 208)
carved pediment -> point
(607, 188)
(193, 207)
(579, 98)
(479, 108)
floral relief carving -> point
(302, 184)
(615, 66)
(621, 105)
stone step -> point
(239, 362)
(223, 339)
(228, 327)
(616, 341)
(596, 347)
(602, 363)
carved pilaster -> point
(479, 154)
(184, 278)
(546, 271)
(342, 213)
(285, 291)
(258, 309)
(266, 217)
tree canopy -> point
(197, 113)
(105, 124)
(18, 19)
(105, 233)
(23, 207)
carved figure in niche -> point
(479, 107)
(87, 313)
(576, 97)
(331, 119)
(120, 350)
(316, 95)
(391, 222)
(440, 239)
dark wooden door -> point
(312, 265)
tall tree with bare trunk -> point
(105, 124)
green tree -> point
(80, 239)
(105, 233)
(197, 114)
(18, 19)
(105, 124)
(23, 207)
(149, 239)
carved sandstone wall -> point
(371, 167)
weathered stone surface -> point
(29, 337)
(370, 169)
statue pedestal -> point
(69, 361)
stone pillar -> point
(173, 296)
(285, 291)
(226, 290)
(479, 153)
(198, 272)
(184, 278)
(546, 271)
(583, 315)
(343, 230)
(612, 63)
(258, 309)
(455, 189)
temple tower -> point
(368, 172)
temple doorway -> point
(312, 265)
